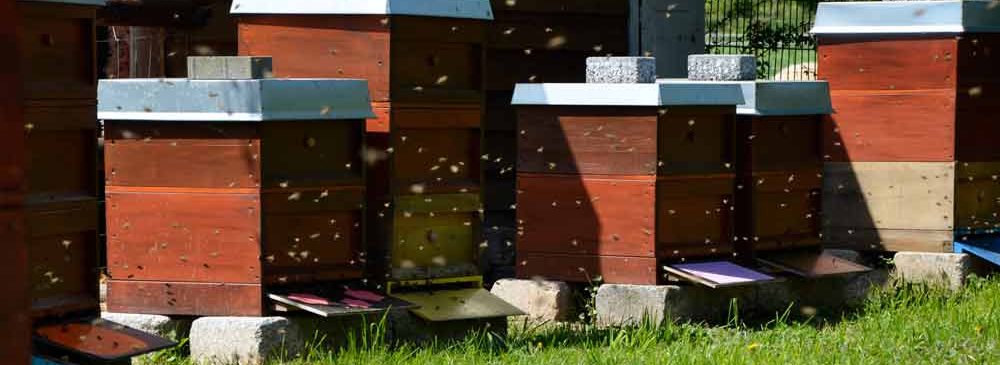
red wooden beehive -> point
(55, 191)
(910, 156)
(221, 192)
(615, 180)
(424, 61)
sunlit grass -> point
(903, 325)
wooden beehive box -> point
(424, 62)
(615, 180)
(14, 310)
(52, 187)
(779, 162)
(222, 192)
(911, 164)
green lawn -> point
(909, 325)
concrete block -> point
(621, 70)
(543, 301)
(404, 327)
(243, 340)
(705, 67)
(938, 269)
(229, 68)
(175, 329)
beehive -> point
(424, 62)
(615, 180)
(14, 263)
(780, 163)
(911, 164)
(55, 192)
(222, 192)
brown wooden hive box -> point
(425, 69)
(616, 179)
(222, 191)
(49, 185)
(911, 158)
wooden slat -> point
(184, 237)
(900, 196)
(190, 163)
(589, 268)
(893, 240)
(562, 31)
(311, 241)
(505, 68)
(312, 154)
(313, 200)
(438, 30)
(781, 143)
(321, 46)
(694, 216)
(780, 209)
(202, 299)
(574, 215)
(878, 63)
(445, 160)
(695, 140)
(586, 140)
(891, 126)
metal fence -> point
(776, 31)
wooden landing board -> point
(452, 305)
(811, 264)
(343, 303)
(98, 340)
(718, 274)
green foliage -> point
(761, 28)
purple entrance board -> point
(723, 272)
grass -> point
(902, 325)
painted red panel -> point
(202, 299)
(878, 63)
(574, 215)
(588, 268)
(891, 127)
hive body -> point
(609, 189)
(425, 70)
(207, 214)
(910, 162)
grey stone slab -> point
(229, 68)
(243, 340)
(542, 300)
(621, 70)
(936, 269)
(175, 329)
(707, 67)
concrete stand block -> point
(621, 70)
(175, 329)
(939, 269)
(705, 67)
(621, 304)
(406, 327)
(543, 301)
(243, 340)
(229, 68)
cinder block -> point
(243, 340)
(937, 269)
(229, 68)
(543, 301)
(172, 328)
(706, 67)
(404, 327)
(621, 70)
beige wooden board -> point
(889, 195)
(893, 240)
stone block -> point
(229, 68)
(244, 340)
(621, 70)
(937, 269)
(543, 301)
(175, 329)
(707, 67)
